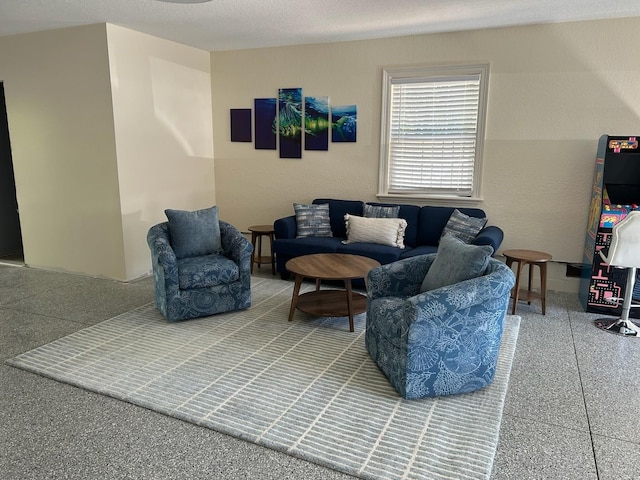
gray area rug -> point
(306, 387)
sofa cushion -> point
(382, 253)
(206, 271)
(385, 231)
(463, 226)
(312, 220)
(455, 262)
(381, 211)
(337, 210)
(294, 247)
(194, 233)
(421, 250)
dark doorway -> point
(10, 233)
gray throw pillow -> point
(194, 233)
(463, 226)
(455, 262)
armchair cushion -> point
(195, 233)
(455, 262)
(206, 271)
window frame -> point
(429, 73)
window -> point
(432, 132)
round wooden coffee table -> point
(329, 266)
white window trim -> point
(408, 72)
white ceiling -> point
(238, 24)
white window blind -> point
(433, 125)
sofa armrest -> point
(285, 227)
(491, 236)
(402, 278)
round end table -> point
(531, 258)
(257, 232)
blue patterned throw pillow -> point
(380, 211)
(463, 226)
(194, 233)
(456, 262)
(312, 220)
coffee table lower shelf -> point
(331, 303)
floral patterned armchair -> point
(201, 285)
(438, 342)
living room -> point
(128, 124)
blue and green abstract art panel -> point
(344, 123)
(316, 123)
(290, 122)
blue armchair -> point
(201, 285)
(439, 342)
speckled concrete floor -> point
(564, 416)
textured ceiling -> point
(237, 24)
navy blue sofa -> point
(424, 228)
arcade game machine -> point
(616, 192)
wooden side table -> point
(531, 258)
(257, 232)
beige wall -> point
(553, 91)
(108, 128)
(62, 141)
(164, 141)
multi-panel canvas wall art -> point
(292, 121)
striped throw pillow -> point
(379, 211)
(312, 220)
(463, 226)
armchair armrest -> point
(158, 241)
(399, 279)
(164, 264)
(491, 236)
(235, 245)
(285, 227)
(445, 301)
